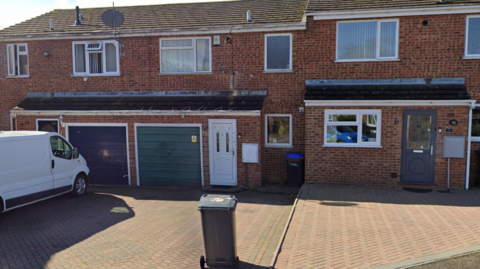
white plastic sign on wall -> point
(454, 147)
(250, 152)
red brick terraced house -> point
(390, 92)
(163, 95)
(171, 95)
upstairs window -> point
(96, 58)
(185, 55)
(472, 37)
(367, 40)
(17, 60)
(278, 52)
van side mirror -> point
(75, 153)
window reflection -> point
(227, 142)
(278, 129)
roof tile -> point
(158, 18)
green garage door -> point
(169, 156)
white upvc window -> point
(185, 55)
(352, 128)
(475, 133)
(278, 52)
(472, 37)
(278, 130)
(96, 58)
(17, 60)
(367, 40)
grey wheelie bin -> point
(218, 225)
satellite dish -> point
(112, 20)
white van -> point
(35, 166)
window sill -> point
(278, 71)
(367, 60)
(278, 146)
(192, 73)
(90, 75)
(18, 76)
(475, 139)
(345, 145)
(473, 57)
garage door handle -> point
(125, 175)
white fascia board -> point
(391, 103)
(338, 15)
(231, 113)
(201, 31)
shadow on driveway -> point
(184, 194)
(350, 196)
(127, 227)
(31, 235)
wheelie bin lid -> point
(294, 156)
(217, 202)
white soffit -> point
(337, 15)
(172, 32)
(231, 113)
(390, 103)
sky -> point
(12, 12)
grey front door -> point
(418, 146)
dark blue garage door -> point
(105, 149)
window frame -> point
(279, 145)
(104, 59)
(194, 47)
(377, 50)
(358, 122)
(467, 27)
(266, 70)
(15, 46)
(474, 138)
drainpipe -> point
(469, 142)
(11, 120)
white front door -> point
(223, 152)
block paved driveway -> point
(365, 227)
(126, 227)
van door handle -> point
(53, 164)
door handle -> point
(53, 164)
(233, 152)
(431, 150)
(125, 175)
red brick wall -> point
(238, 65)
(373, 166)
(248, 126)
(431, 51)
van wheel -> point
(80, 185)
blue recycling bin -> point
(295, 169)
